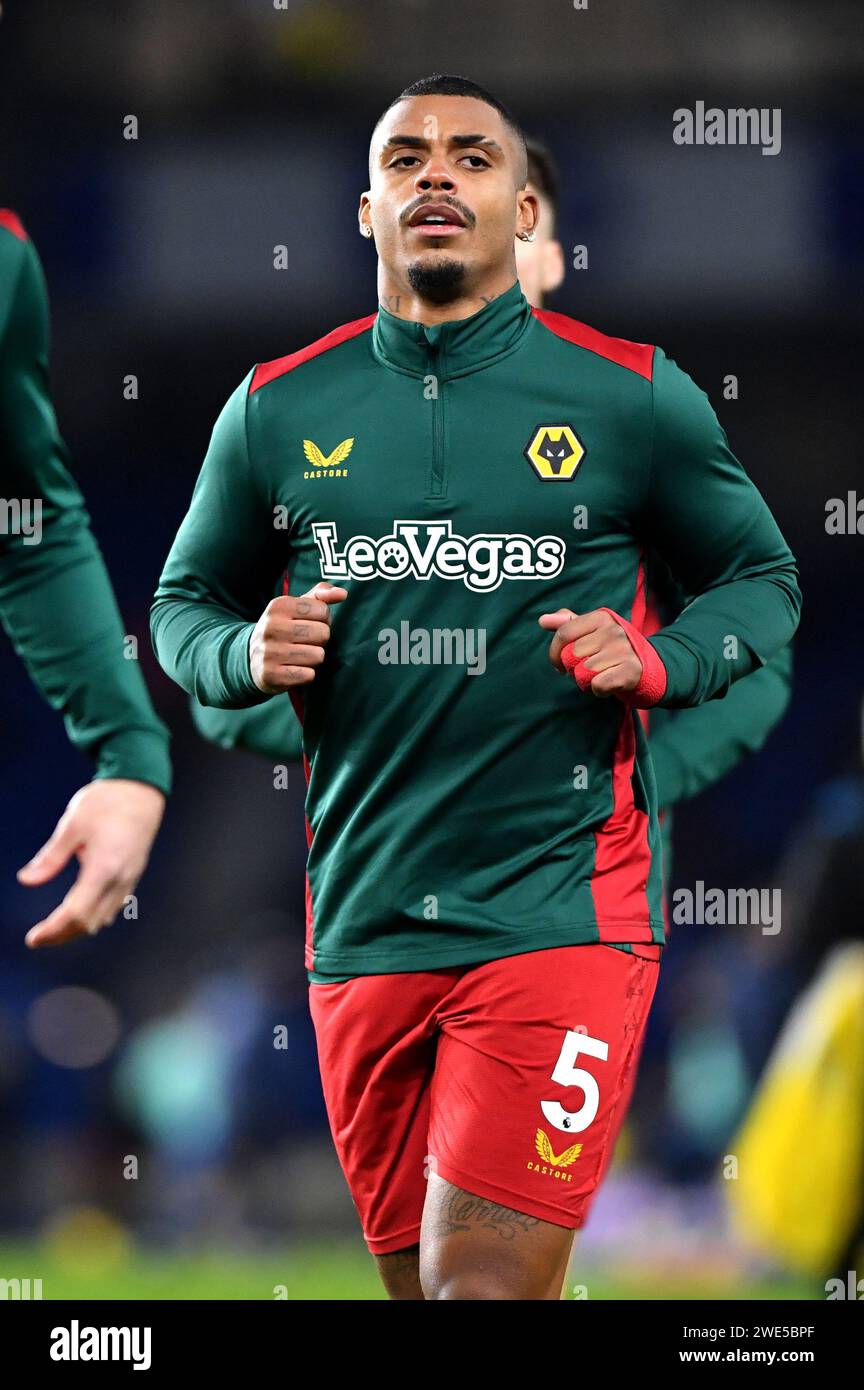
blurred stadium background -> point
(154, 1045)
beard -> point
(438, 280)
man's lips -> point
(451, 223)
(438, 229)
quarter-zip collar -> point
(456, 346)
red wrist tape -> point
(652, 683)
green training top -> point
(56, 601)
(691, 749)
(465, 800)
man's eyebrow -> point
(415, 142)
(418, 142)
(485, 140)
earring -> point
(526, 236)
(365, 230)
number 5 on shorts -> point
(567, 1074)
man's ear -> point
(553, 268)
(364, 215)
(527, 211)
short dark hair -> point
(543, 173)
(448, 84)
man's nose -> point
(435, 178)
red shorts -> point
(509, 1079)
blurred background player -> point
(58, 607)
(690, 748)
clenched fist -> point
(290, 638)
(601, 643)
(607, 655)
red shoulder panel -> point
(268, 371)
(638, 357)
(12, 222)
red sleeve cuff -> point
(652, 683)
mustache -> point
(465, 213)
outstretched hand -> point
(109, 825)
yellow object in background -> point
(800, 1150)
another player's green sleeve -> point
(693, 748)
(56, 600)
(712, 527)
(272, 730)
(220, 573)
